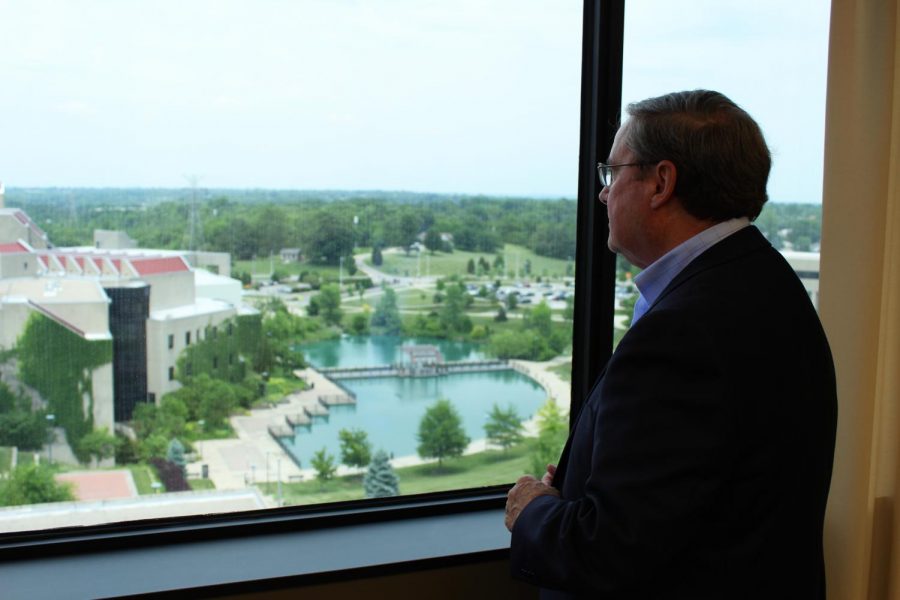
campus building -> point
(151, 304)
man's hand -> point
(527, 488)
(547, 479)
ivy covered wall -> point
(220, 353)
(60, 364)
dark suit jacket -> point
(700, 465)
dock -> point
(407, 370)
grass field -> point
(476, 470)
(143, 477)
(279, 387)
(201, 484)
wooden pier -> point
(404, 370)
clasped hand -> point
(528, 488)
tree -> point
(329, 302)
(500, 317)
(512, 300)
(504, 427)
(453, 314)
(380, 481)
(433, 240)
(407, 229)
(98, 444)
(470, 267)
(377, 259)
(324, 465)
(359, 324)
(33, 484)
(25, 430)
(552, 432)
(356, 451)
(328, 236)
(350, 262)
(441, 434)
(386, 318)
(539, 319)
(175, 454)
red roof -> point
(153, 266)
(12, 248)
(44, 261)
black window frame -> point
(601, 89)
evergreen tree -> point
(324, 465)
(175, 455)
(441, 433)
(377, 259)
(356, 451)
(504, 427)
(380, 481)
(470, 267)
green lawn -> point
(279, 387)
(6, 454)
(540, 265)
(476, 470)
(143, 477)
(201, 484)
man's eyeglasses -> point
(607, 174)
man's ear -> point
(664, 176)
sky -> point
(463, 96)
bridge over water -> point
(415, 369)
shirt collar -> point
(653, 280)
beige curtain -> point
(860, 296)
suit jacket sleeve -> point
(647, 460)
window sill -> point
(270, 560)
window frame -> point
(601, 88)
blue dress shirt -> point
(653, 280)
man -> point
(700, 464)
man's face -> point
(627, 202)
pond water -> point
(389, 408)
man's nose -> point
(604, 194)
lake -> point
(389, 409)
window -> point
(366, 317)
(456, 282)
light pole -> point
(51, 418)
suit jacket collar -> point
(741, 243)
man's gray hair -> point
(720, 155)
